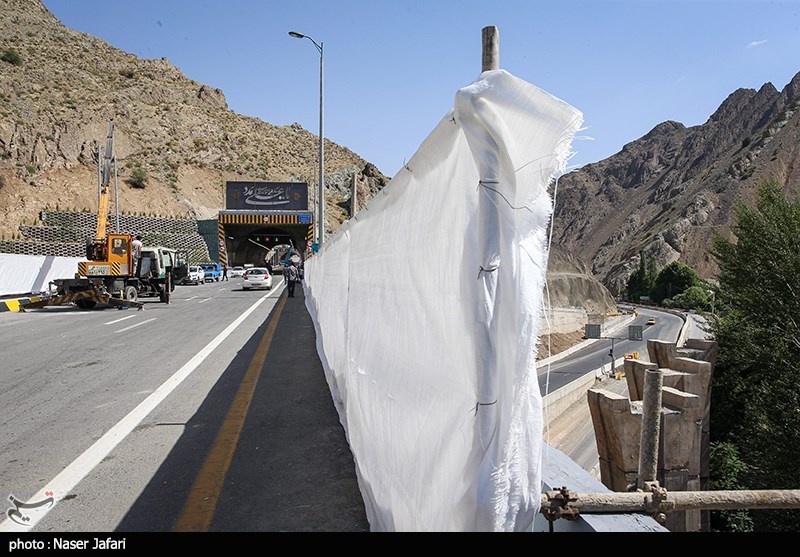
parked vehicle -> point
(237, 271)
(213, 272)
(196, 275)
(257, 277)
(160, 269)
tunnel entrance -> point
(260, 216)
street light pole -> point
(321, 195)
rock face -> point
(572, 285)
(667, 193)
(59, 88)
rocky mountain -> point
(59, 88)
(667, 193)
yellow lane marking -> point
(202, 501)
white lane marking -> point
(60, 486)
(203, 301)
(139, 324)
(192, 298)
(68, 312)
(118, 320)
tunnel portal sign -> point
(267, 196)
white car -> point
(196, 275)
(237, 272)
(256, 277)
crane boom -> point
(102, 210)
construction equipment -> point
(109, 277)
(280, 257)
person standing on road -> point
(291, 278)
(224, 272)
(136, 252)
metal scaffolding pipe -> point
(570, 504)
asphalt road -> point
(596, 355)
(697, 326)
(573, 429)
(121, 415)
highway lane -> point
(596, 355)
(581, 437)
(68, 376)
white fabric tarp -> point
(33, 273)
(427, 307)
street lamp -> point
(321, 201)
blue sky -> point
(392, 68)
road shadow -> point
(292, 470)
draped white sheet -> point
(33, 273)
(427, 307)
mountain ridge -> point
(669, 192)
(54, 110)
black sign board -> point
(267, 196)
(634, 332)
(591, 330)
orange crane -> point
(108, 276)
(109, 254)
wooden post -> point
(489, 224)
(354, 196)
(491, 49)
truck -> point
(212, 271)
(108, 275)
(280, 257)
(160, 269)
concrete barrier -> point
(14, 304)
(612, 325)
(22, 277)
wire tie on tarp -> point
(498, 192)
(483, 404)
(486, 271)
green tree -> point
(726, 469)
(641, 281)
(755, 393)
(674, 279)
(697, 298)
